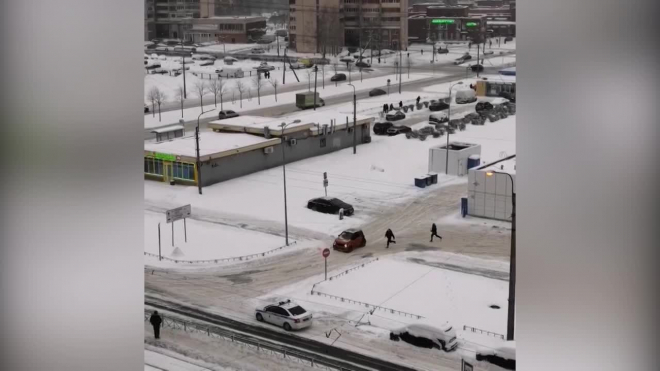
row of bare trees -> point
(217, 88)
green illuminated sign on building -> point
(471, 24)
(164, 156)
(442, 21)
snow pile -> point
(177, 253)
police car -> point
(285, 314)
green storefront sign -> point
(164, 156)
(442, 21)
(471, 24)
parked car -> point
(488, 52)
(226, 114)
(286, 314)
(476, 67)
(347, 60)
(483, 106)
(396, 130)
(465, 57)
(146, 109)
(438, 118)
(395, 116)
(264, 66)
(438, 106)
(257, 51)
(206, 62)
(503, 356)
(377, 92)
(424, 335)
(508, 38)
(380, 128)
(330, 205)
(338, 77)
(465, 96)
(442, 51)
(349, 240)
(362, 64)
(511, 97)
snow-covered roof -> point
(166, 129)
(500, 22)
(210, 144)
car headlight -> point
(346, 245)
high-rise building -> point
(316, 26)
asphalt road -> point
(379, 71)
(314, 349)
(284, 109)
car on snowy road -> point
(338, 77)
(396, 130)
(285, 314)
(503, 356)
(376, 92)
(427, 336)
(330, 205)
(226, 114)
(362, 64)
(438, 106)
(349, 240)
(438, 118)
(396, 116)
(380, 128)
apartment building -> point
(316, 25)
(171, 19)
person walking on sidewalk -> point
(156, 320)
(434, 232)
(390, 238)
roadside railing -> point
(347, 271)
(369, 306)
(479, 331)
(228, 336)
(236, 258)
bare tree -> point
(217, 87)
(152, 95)
(161, 97)
(180, 96)
(409, 64)
(274, 83)
(258, 83)
(349, 68)
(240, 86)
(200, 89)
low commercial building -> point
(490, 193)
(462, 156)
(247, 144)
(493, 87)
(445, 23)
(228, 29)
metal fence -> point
(479, 331)
(236, 258)
(367, 305)
(270, 348)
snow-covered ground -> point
(156, 361)
(206, 240)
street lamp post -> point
(354, 120)
(510, 325)
(286, 220)
(449, 119)
(199, 163)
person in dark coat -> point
(385, 107)
(155, 322)
(400, 104)
(422, 51)
(418, 98)
(434, 232)
(390, 238)
(391, 107)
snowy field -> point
(206, 240)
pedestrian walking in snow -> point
(400, 104)
(490, 43)
(390, 238)
(422, 51)
(418, 98)
(378, 60)
(434, 232)
(469, 45)
(155, 321)
(391, 107)
(385, 107)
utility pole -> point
(199, 163)
(400, 60)
(354, 120)
(284, 69)
(183, 71)
(316, 70)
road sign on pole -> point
(326, 253)
(178, 213)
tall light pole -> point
(510, 325)
(449, 119)
(354, 120)
(199, 163)
(286, 220)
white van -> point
(230, 72)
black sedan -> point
(329, 205)
(438, 106)
(483, 106)
(396, 130)
(226, 114)
(442, 51)
(380, 128)
(396, 116)
(338, 77)
(361, 64)
(477, 68)
(376, 92)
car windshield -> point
(297, 310)
(346, 235)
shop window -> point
(153, 166)
(182, 170)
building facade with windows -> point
(318, 25)
(228, 29)
(170, 19)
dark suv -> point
(329, 205)
(380, 128)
